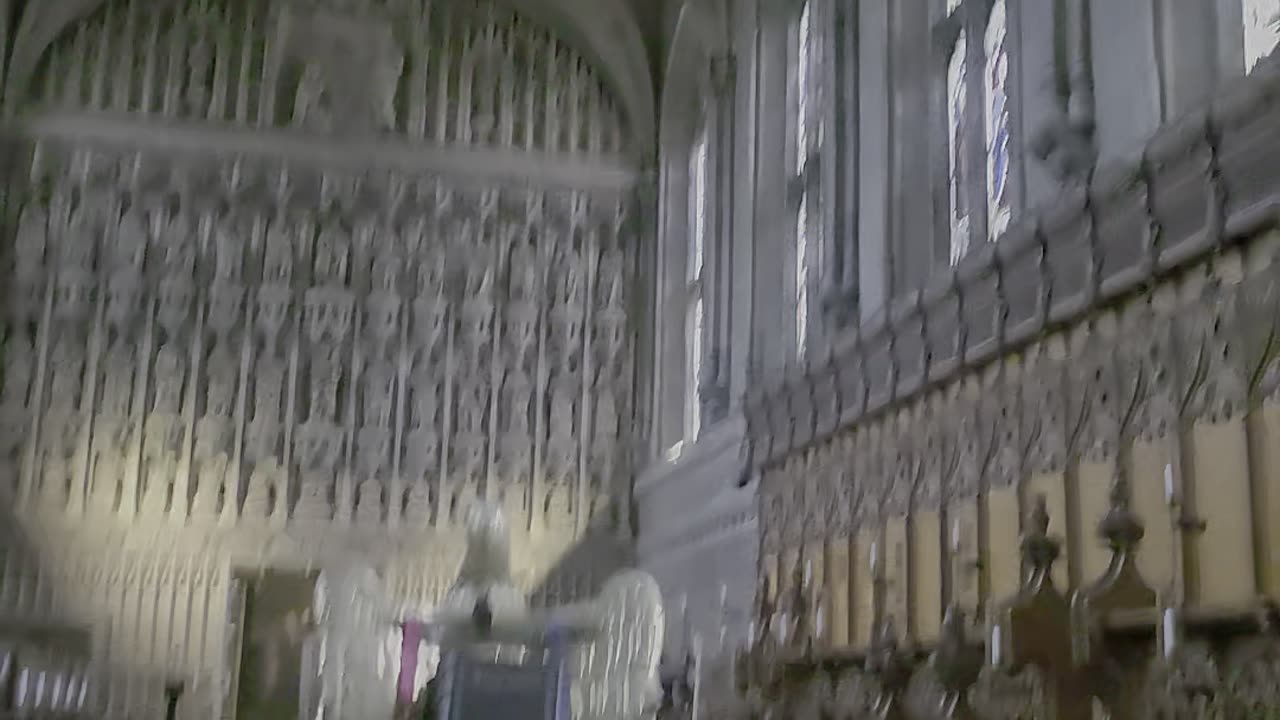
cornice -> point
(133, 133)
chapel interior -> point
(679, 359)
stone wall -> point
(1113, 356)
(256, 319)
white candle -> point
(1168, 483)
(808, 572)
(781, 629)
(751, 633)
(955, 536)
(1169, 627)
(820, 623)
(874, 557)
(996, 648)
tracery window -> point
(978, 187)
(807, 138)
(957, 135)
(695, 312)
(1261, 30)
(996, 108)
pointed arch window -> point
(995, 105)
(979, 123)
(695, 311)
(807, 140)
(1261, 30)
(957, 143)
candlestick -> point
(996, 650)
(1169, 631)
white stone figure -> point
(355, 618)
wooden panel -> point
(1053, 487)
(1003, 556)
(839, 619)
(926, 575)
(863, 588)
(1264, 445)
(896, 561)
(1223, 558)
(965, 585)
(815, 562)
(271, 662)
(1155, 556)
(1093, 484)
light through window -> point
(695, 317)
(1261, 30)
(807, 137)
(957, 136)
(996, 111)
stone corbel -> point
(1064, 143)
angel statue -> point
(353, 659)
(609, 646)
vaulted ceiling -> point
(625, 37)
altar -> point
(482, 652)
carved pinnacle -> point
(1120, 527)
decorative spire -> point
(956, 661)
(1120, 527)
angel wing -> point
(356, 618)
(617, 673)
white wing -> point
(356, 618)
(617, 673)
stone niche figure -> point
(349, 65)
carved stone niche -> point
(339, 69)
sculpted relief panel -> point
(227, 365)
(224, 357)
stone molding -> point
(1202, 184)
(199, 144)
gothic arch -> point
(603, 41)
(701, 34)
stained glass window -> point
(996, 112)
(1261, 30)
(957, 134)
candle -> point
(751, 634)
(1168, 483)
(874, 557)
(996, 649)
(820, 622)
(1169, 631)
(955, 536)
(808, 572)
